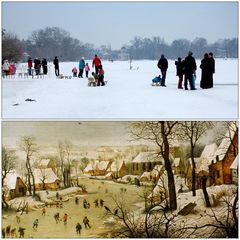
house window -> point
(137, 166)
(144, 167)
(218, 174)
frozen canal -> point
(97, 189)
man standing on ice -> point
(190, 71)
(56, 65)
(96, 62)
(163, 66)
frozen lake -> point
(127, 95)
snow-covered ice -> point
(128, 94)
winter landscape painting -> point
(162, 179)
(126, 67)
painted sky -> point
(117, 23)
(80, 133)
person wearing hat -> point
(163, 66)
(190, 71)
(81, 67)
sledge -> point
(92, 82)
(156, 81)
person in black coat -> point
(206, 72)
(180, 71)
(212, 63)
(56, 66)
(163, 66)
(44, 66)
(37, 66)
(190, 71)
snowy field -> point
(128, 94)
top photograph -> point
(120, 60)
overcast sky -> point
(80, 134)
(117, 23)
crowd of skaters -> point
(11, 232)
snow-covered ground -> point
(128, 94)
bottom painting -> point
(158, 179)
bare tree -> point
(8, 162)
(64, 152)
(192, 131)
(29, 147)
(8, 165)
(162, 133)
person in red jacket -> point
(96, 62)
(30, 66)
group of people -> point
(187, 68)
(97, 76)
(36, 65)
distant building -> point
(97, 168)
(46, 179)
(14, 186)
(201, 165)
(124, 55)
(178, 166)
(145, 162)
(220, 172)
(47, 163)
(118, 169)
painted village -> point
(159, 188)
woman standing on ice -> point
(81, 67)
(206, 72)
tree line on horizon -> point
(55, 41)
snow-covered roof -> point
(115, 166)
(105, 149)
(234, 164)
(11, 180)
(162, 184)
(225, 144)
(103, 165)
(146, 175)
(209, 151)
(47, 174)
(44, 162)
(176, 162)
(143, 157)
(91, 166)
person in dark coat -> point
(206, 72)
(190, 71)
(86, 222)
(44, 66)
(180, 71)
(163, 66)
(212, 63)
(37, 66)
(56, 65)
(21, 232)
(78, 228)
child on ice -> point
(87, 69)
(74, 71)
(100, 76)
(92, 80)
(156, 81)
